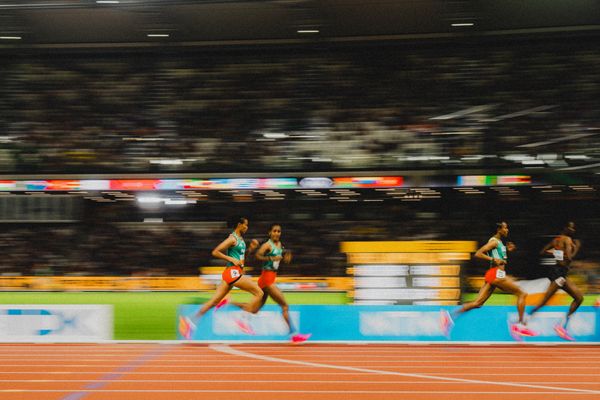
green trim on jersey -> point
(237, 251)
(275, 251)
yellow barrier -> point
(406, 258)
(339, 284)
(101, 283)
(134, 283)
(417, 246)
(398, 272)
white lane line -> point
(270, 367)
(346, 354)
(295, 373)
(302, 391)
(360, 360)
(568, 359)
(516, 374)
(401, 363)
(365, 349)
(229, 350)
(272, 381)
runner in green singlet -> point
(496, 253)
(272, 253)
(232, 250)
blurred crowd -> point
(367, 108)
(104, 246)
(124, 249)
(373, 108)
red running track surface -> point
(309, 372)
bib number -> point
(500, 274)
(234, 273)
(276, 264)
(559, 255)
(560, 281)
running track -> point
(153, 371)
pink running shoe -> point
(514, 332)
(562, 332)
(525, 331)
(446, 322)
(244, 327)
(186, 327)
(222, 303)
(301, 337)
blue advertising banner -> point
(56, 323)
(355, 323)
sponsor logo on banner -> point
(68, 323)
(400, 323)
(264, 323)
(316, 182)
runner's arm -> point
(218, 252)
(546, 250)
(567, 244)
(261, 253)
(577, 246)
(253, 245)
(489, 246)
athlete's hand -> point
(510, 246)
(253, 244)
(275, 258)
(287, 257)
(498, 262)
(238, 263)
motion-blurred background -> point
(131, 130)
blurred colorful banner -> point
(368, 182)
(349, 182)
(490, 180)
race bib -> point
(500, 274)
(234, 273)
(559, 255)
(276, 264)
